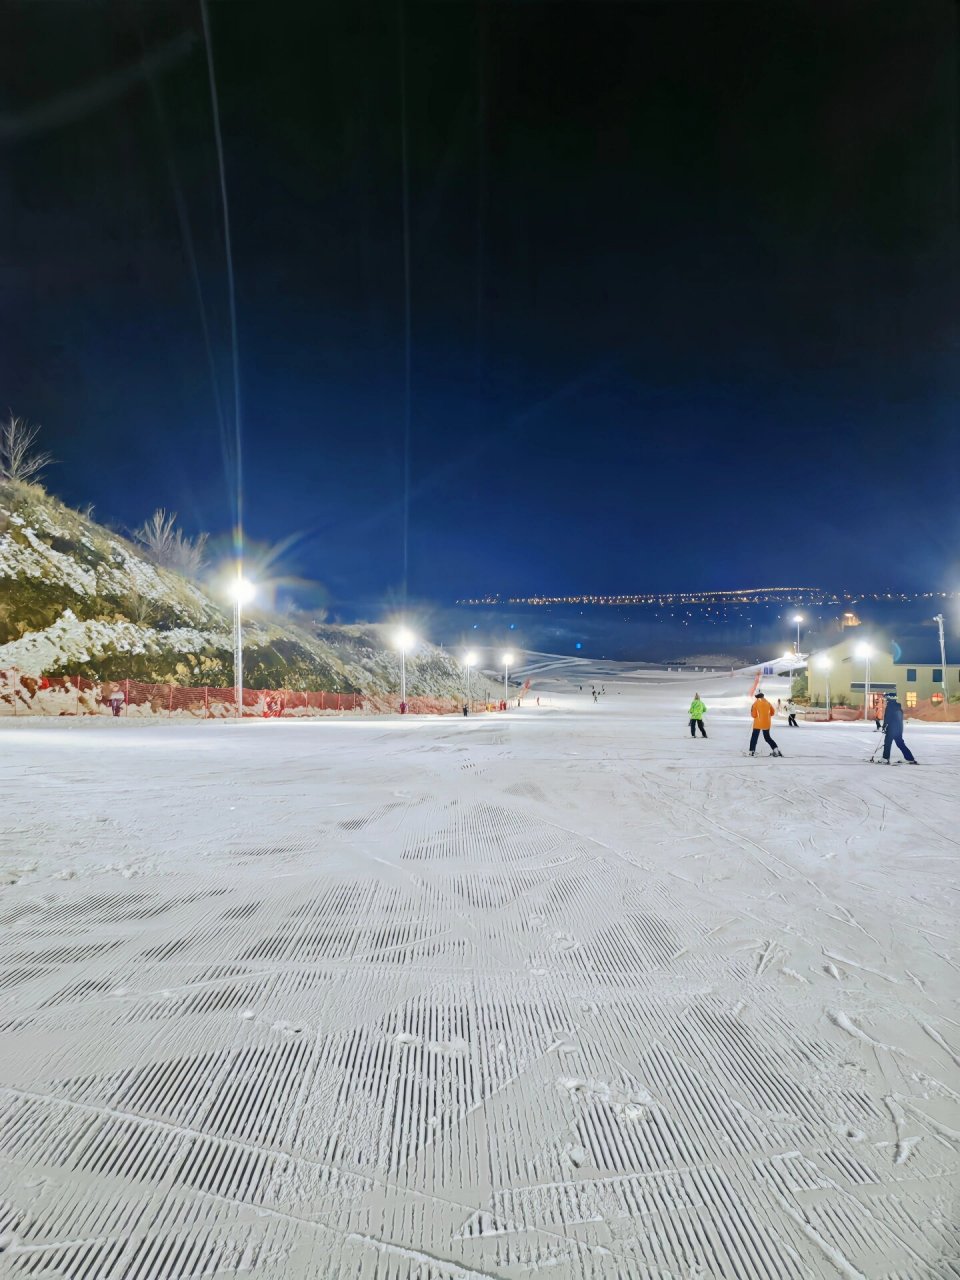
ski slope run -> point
(553, 992)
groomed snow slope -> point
(552, 992)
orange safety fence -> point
(932, 710)
(78, 696)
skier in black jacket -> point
(893, 730)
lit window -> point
(911, 697)
(911, 675)
(936, 697)
(938, 675)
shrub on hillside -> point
(169, 546)
(20, 459)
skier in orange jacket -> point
(762, 713)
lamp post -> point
(404, 640)
(788, 657)
(798, 618)
(507, 659)
(469, 660)
(824, 664)
(865, 652)
(943, 659)
(242, 592)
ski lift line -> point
(231, 287)
(189, 246)
(407, 330)
(481, 190)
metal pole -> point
(403, 675)
(828, 694)
(506, 696)
(866, 686)
(943, 658)
(468, 684)
(238, 656)
(798, 639)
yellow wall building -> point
(913, 681)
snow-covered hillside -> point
(78, 599)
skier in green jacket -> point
(697, 711)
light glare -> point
(242, 590)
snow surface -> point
(552, 992)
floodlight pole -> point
(943, 660)
(866, 684)
(238, 652)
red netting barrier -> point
(930, 709)
(78, 696)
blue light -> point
(578, 645)
(513, 626)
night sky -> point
(684, 283)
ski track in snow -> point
(557, 991)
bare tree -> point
(190, 554)
(158, 535)
(169, 546)
(19, 458)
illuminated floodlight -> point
(865, 652)
(788, 656)
(469, 660)
(507, 660)
(797, 617)
(823, 662)
(404, 640)
(241, 590)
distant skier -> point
(762, 713)
(893, 730)
(116, 700)
(697, 710)
(466, 710)
(792, 715)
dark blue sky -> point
(684, 283)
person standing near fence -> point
(116, 700)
